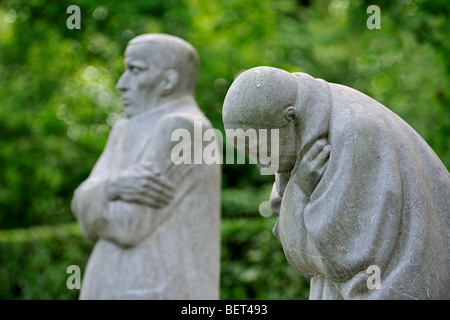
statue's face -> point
(141, 82)
(275, 150)
(263, 98)
(283, 153)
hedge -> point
(34, 261)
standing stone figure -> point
(156, 224)
(357, 190)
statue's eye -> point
(134, 70)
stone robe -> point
(146, 253)
(383, 200)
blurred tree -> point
(58, 100)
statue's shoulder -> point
(186, 116)
(120, 124)
(356, 114)
(117, 129)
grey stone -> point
(156, 224)
(362, 202)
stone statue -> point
(356, 190)
(156, 224)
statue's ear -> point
(290, 114)
(171, 80)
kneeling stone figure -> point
(355, 187)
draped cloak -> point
(384, 201)
(147, 253)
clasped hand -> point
(312, 166)
(142, 184)
(307, 174)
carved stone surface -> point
(156, 224)
(356, 190)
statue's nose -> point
(122, 84)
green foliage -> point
(34, 262)
(57, 85)
(244, 203)
(253, 264)
(58, 96)
(58, 103)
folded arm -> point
(126, 207)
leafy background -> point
(58, 103)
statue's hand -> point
(312, 166)
(143, 184)
(281, 180)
